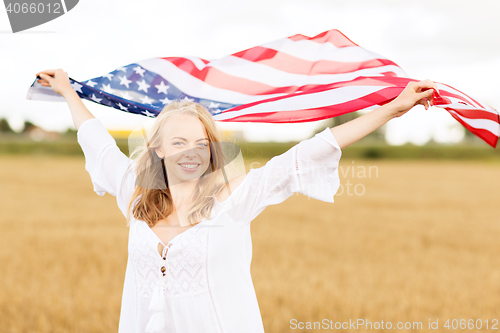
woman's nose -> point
(189, 152)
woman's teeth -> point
(189, 166)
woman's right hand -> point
(57, 79)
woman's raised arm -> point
(414, 93)
(58, 80)
(109, 168)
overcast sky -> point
(453, 42)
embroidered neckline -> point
(175, 237)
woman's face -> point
(185, 147)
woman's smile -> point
(189, 167)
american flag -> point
(293, 79)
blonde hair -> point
(154, 203)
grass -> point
(418, 241)
(14, 145)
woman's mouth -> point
(189, 167)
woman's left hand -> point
(415, 93)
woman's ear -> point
(158, 153)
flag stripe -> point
(243, 76)
(347, 99)
(489, 132)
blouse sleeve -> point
(310, 168)
(110, 170)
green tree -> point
(5, 126)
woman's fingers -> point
(427, 95)
(426, 84)
(46, 78)
(424, 102)
(57, 79)
(47, 71)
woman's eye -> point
(204, 145)
(175, 143)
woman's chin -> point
(183, 177)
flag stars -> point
(165, 100)
(109, 76)
(162, 87)
(124, 81)
(139, 70)
(124, 108)
(91, 83)
(95, 99)
(123, 69)
(214, 105)
(147, 100)
(188, 99)
(77, 87)
(149, 114)
(143, 85)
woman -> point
(188, 269)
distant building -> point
(36, 133)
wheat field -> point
(411, 242)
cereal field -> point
(413, 241)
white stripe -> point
(485, 124)
(312, 51)
(195, 87)
(197, 62)
(460, 106)
(306, 101)
(464, 96)
(273, 77)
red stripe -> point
(476, 114)
(311, 89)
(314, 114)
(302, 115)
(216, 78)
(290, 64)
(486, 135)
(397, 83)
(333, 36)
(219, 79)
(400, 82)
(475, 101)
(460, 97)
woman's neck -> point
(182, 193)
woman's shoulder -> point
(233, 184)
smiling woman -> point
(190, 249)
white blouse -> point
(207, 286)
